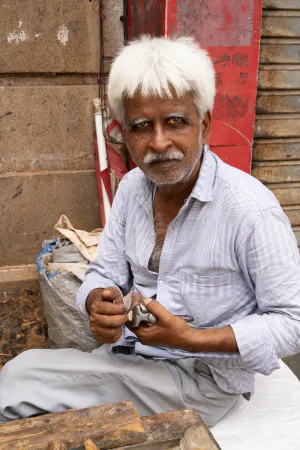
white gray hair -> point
(160, 66)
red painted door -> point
(230, 31)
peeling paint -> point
(17, 36)
(63, 35)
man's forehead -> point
(140, 104)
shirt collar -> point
(202, 191)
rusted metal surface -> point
(278, 102)
(146, 18)
(297, 234)
(281, 125)
(230, 31)
(22, 323)
(277, 171)
(279, 76)
(279, 51)
(281, 4)
(108, 425)
(287, 194)
(281, 24)
(276, 149)
(233, 45)
(293, 213)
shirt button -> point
(161, 282)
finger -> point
(157, 310)
(106, 332)
(106, 340)
(109, 294)
(107, 308)
(109, 321)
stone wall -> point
(48, 78)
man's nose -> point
(160, 140)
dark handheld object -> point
(140, 314)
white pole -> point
(101, 152)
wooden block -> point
(197, 438)
(164, 431)
(108, 426)
(89, 445)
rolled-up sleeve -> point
(272, 265)
(110, 268)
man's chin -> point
(164, 179)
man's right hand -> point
(107, 314)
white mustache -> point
(163, 157)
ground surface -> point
(22, 323)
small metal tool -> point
(140, 314)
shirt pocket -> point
(209, 299)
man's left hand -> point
(170, 331)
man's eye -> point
(175, 121)
(141, 126)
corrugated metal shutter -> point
(276, 152)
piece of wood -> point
(197, 438)
(108, 425)
(56, 445)
(277, 125)
(279, 76)
(89, 445)
(164, 431)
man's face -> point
(165, 137)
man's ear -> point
(206, 127)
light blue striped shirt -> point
(229, 258)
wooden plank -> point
(277, 126)
(278, 102)
(281, 24)
(279, 51)
(287, 194)
(279, 4)
(293, 213)
(165, 430)
(108, 425)
(277, 172)
(279, 76)
(276, 149)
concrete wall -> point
(48, 78)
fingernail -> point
(146, 301)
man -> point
(193, 237)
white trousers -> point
(46, 381)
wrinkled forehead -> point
(153, 105)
